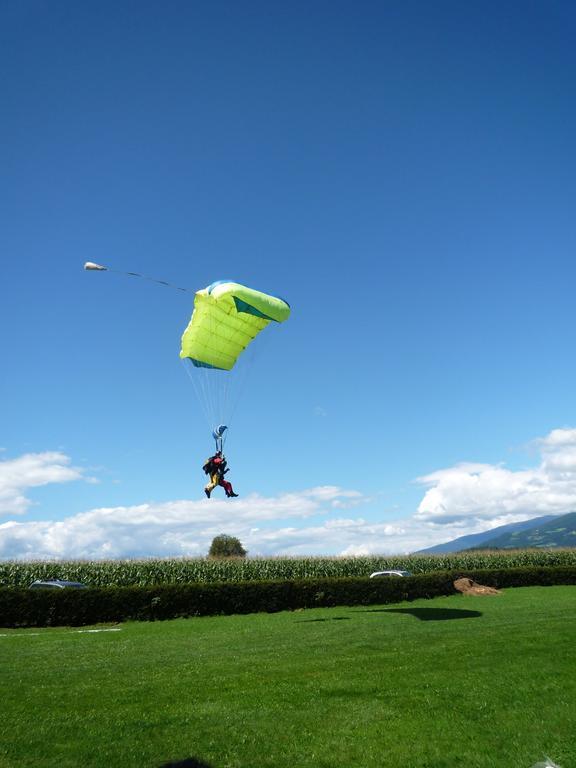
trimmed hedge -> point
(70, 607)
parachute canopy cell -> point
(227, 317)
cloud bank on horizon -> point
(466, 498)
(498, 495)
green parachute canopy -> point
(227, 317)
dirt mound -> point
(469, 587)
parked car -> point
(377, 574)
(57, 584)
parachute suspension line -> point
(211, 382)
(226, 398)
(210, 388)
(243, 370)
(200, 390)
(219, 383)
(244, 366)
(197, 391)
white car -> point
(56, 584)
(377, 574)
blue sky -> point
(402, 173)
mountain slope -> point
(477, 540)
(559, 532)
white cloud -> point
(265, 525)
(459, 500)
(558, 438)
(30, 471)
(186, 527)
(496, 495)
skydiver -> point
(216, 467)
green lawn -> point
(457, 681)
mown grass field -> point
(102, 573)
(457, 681)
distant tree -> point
(226, 546)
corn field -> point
(101, 573)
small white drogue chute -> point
(98, 267)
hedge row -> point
(42, 608)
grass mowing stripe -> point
(67, 632)
(477, 682)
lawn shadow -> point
(432, 614)
(189, 762)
